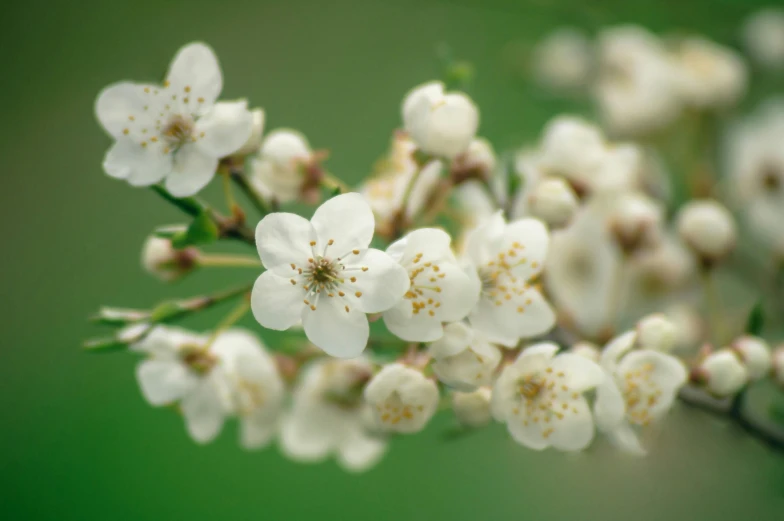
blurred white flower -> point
(506, 259)
(440, 123)
(540, 398)
(253, 143)
(329, 416)
(755, 354)
(656, 332)
(640, 388)
(722, 373)
(708, 228)
(402, 399)
(563, 59)
(472, 409)
(161, 259)
(586, 349)
(323, 272)
(688, 326)
(477, 162)
(463, 358)
(709, 75)
(635, 220)
(279, 167)
(553, 201)
(176, 132)
(763, 36)
(440, 290)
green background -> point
(76, 439)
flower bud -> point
(656, 332)
(755, 355)
(708, 229)
(472, 409)
(477, 162)
(161, 259)
(254, 141)
(463, 358)
(553, 201)
(402, 399)
(278, 166)
(634, 221)
(587, 350)
(709, 75)
(722, 373)
(441, 124)
(563, 59)
(763, 36)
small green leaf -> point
(104, 345)
(168, 232)
(202, 230)
(756, 319)
(335, 192)
(165, 311)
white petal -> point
(532, 235)
(284, 239)
(196, 67)
(499, 317)
(382, 285)
(609, 409)
(432, 243)
(340, 333)
(530, 435)
(164, 381)
(275, 302)
(256, 432)
(535, 358)
(203, 410)
(575, 431)
(626, 439)
(118, 103)
(668, 372)
(427, 91)
(140, 166)
(457, 337)
(306, 434)
(192, 171)
(581, 373)
(226, 128)
(360, 451)
(347, 220)
(483, 242)
(617, 347)
(459, 292)
(412, 328)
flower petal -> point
(530, 435)
(520, 316)
(164, 381)
(459, 292)
(609, 409)
(626, 439)
(482, 243)
(256, 432)
(581, 373)
(192, 171)
(275, 302)
(532, 235)
(284, 239)
(412, 328)
(381, 285)
(140, 166)
(121, 106)
(226, 127)
(668, 372)
(360, 451)
(340, 333)
(575, 431)
(308, 433)
(203, 410)
(345, 219)
(195, 71)
(617, 347)
(457, 338)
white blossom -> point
(763, 36)
(174, 133)
(472, 409)
(253, 143)
(402, 399)
(506, 258)
(279, 167)
(478, 160)
(540, 398)
(709, 75)
(463, 358)
(708, 228)
(161, 259)
(722, 373)
(755, 354)
(329, 416)
(553, 201)
(656, 332)
(233, 375)
(635, 220)
(640, 388)
(563, 59)
(440, 290)
(324, 273)
(586, 349)
(440, 123)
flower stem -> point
(236, 314)
(227, 261)
(250, 192)
(226, 177)
(332, 182)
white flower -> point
(233, 375)
(640, 388)
(440, 290)
(709, 75)
(763, 35)
(161, 259)
(323, 273)
(707, 228)
(553, 201)
(463, 358)
(278, 169)
(253, 143)
(402, 399)
(442, 124)
(688, 325)
(478, 161)
(329, 416)
(472, 409)
(656, 332)
(588, 350)
(635, 220)
(755, 354)
(507, 258)
(563, 59)
(540, 398)
(174, 133)
(722, 373)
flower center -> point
(322, 274)
(530, 388)
(197, 358)
(771, 178)
(424, 276)
(178, 130)
(393, 410)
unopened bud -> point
(162, 260)
(279, 166)
(721, 373)
(553, 201)
(656, 332)
(472, 409)
(477, 162)
(708, 229)
(755, 355)
(588, 350)
(634, 221)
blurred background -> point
(77, 441)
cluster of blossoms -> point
(565, 292)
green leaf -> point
(202, 230)
(756, 319)
(104, 345)
(165, 311)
